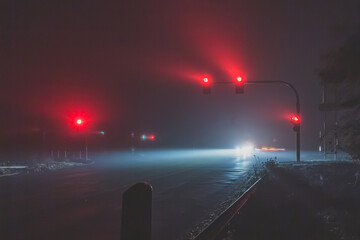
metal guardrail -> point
(215, 228)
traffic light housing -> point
(239, 85)
(295, 119)
(206, 85)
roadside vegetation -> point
(340, 78)
(316, 200)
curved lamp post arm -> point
(297, 106)
(286, 84)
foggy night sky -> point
(137, 65)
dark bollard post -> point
(136, 212)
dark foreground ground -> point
(304, 201)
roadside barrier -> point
(137, 209)
(136, 212)
(215, 227)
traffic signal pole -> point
(297, 109)
(86, 147)
(297, 106)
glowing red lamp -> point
(206, 85)
(239, 85)
(295, 119)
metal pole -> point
(324, 124)
(132, 135)
(86, 148)
(297, 110)
(297, 106)
(298, 145)
(336, 141)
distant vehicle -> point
(246, 150)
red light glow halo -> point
(295, 119)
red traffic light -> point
(80, 123)
(239, 85)
(295, 119)
(78, 120)
(145, 137)
(206, 85)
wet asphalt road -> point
(85, 202)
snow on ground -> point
(37, 167)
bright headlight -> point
(245, 150)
